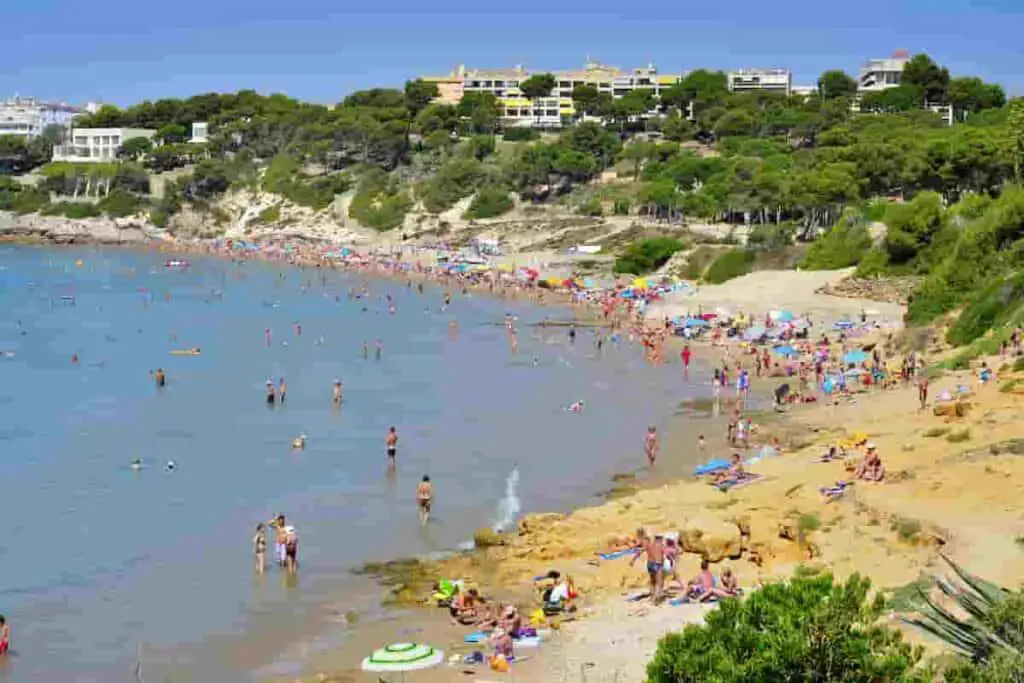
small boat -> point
(185, 352)
(176, 263)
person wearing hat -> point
(291, 549)
(871, 468)
(271, 393)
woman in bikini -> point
(424, 497)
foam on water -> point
(509, 507)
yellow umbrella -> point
(640, 283)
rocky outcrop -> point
(890, 289)
(713, 539)
(60, 230)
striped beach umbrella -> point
(402, 657)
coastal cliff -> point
(61, 230)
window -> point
(551, 112)
(513, 84)
(115, 139)
(499, 84)
(565, 84)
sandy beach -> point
(953, 484)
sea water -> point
(102, 565)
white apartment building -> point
(548, 112)
(200, 133)
(767, 80)
(28, 117)
(880, 74)
(94, 145)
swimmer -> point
(170, 466)
(137, 464)
(160, 378)
(299, 442)
(267, 336)
(336, 396)
(271, 393)
(259, 542)
(366, 349)
(379, 350)
(576, 407)
(536, 361)
(651, 445)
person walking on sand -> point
(424, 497)
(686, 354)
(391, 447)
(654, 550)
(922, 390)
(651, 445)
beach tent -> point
(855, 357)
(402, 657)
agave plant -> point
(991, 618)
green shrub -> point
(841, 247)
(270, 215)
(119, 204)
(488, 202)
(622, 207)
(808, 522)
(380, 202)
(807, 629)
(698, 262)
(23, 200)
(591, 207)
(959, 436)
(729, 265)
(647, 255)
(455, 180)
(908, 530)
(79, 210)
(991, 305)
(520, 134)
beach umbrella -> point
(786, 350)
(402, 657)
(696, 322)
(755, 332)
(855, 357)
(781, 316)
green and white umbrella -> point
(402, 657)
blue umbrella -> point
(785, 350)
(696, 322)
(855, 357)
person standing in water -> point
(267, 336)
(379, 349)
(424, 497)
(366, 349)
(5, 636)
(282, 389)
(336, 396)
(391, 447)
(278, 525)
(651, 445)
(572, 333)
(160, 378)
(259, 542)
(271, 393)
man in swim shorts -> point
(391, 446)
(654, 549)
(5, 636)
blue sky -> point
(122, 52)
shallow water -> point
(98, 560)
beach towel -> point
(835, 492)
(476, 637)
(619, 554)
(729, 484)
(713, 465)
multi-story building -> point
(764, 80)
(93, 145)
(879, 74)
(547, 112)
(28, 117)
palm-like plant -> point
(990, 619)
